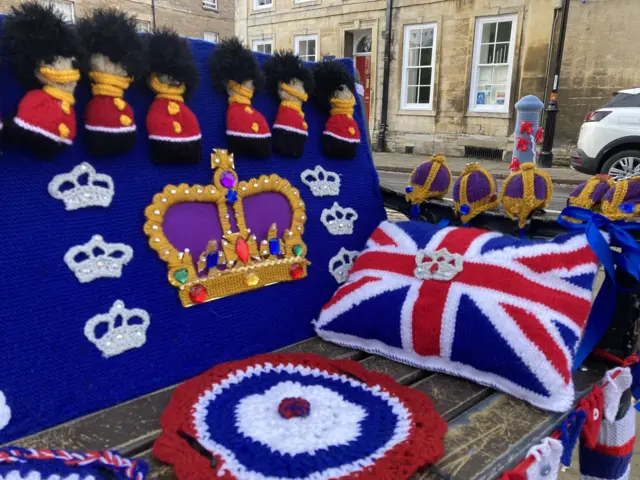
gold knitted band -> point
(165, 91)
(58, 94)
(240, 90)
(60, 76)
(342, 107)
(303, 97)
(108, 84)
(293, 105)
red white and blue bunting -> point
(298, 416)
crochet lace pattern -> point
(298, 416)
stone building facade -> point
(204, 19)
(457, 66)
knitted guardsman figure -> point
(235, 70)
(474, 192)
(44, 53)
(292, 82)
(335, 93)
(115, 57)
(174, 131)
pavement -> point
(404, 163)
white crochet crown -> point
(97, 191)
(340, 265)
(321, 182)
(98, 259)
(125, 336)
(338, 220)
(438, 265)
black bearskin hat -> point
(113, 34)
(169, 54)
(328, 77)
(35, 34)
(230, 60)
(285, 66)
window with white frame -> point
(418, 65)
(211, 37)
(66, 8)
(306, 47)
(143, 26)
(210, 4)
(258, 4)
(263, 46)
(492, 63)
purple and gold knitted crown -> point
(623, 199)
(589, 194)
(430, 179)
(525, 191)
(474, 192)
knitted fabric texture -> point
(432, 295)
(474, 192)
(622, 201)
(297, 416)
(48, 464)
(610, 457)
(590, 193)
(525, 191)
(430, 179)
(40, 301)
(546, 465)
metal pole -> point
(153, 14)
(382, 131)
(546, 156)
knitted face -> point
(343, 93)
(168, 80)
(59, 64)
(295, 84)
(101, 63)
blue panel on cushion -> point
(51, 373)
(585, 280)
(480, 344)
(568, 336)
(353, 322)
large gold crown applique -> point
(222, 239)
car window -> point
(623, 100)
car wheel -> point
(623, 165)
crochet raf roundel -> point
(502, 311)
(295, 416)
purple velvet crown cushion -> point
(502, 311)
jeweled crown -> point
(98, 259)
(97, 191)
(120, 338)
(240, 259)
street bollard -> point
(527, 132)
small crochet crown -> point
(430, 179)
(89, 189)
(622, 200)
(474, 192)
(228, 237)
(590, 193)
(98, 259)
(340, 264)
(321, 182)
(525, 191)
(120, 338)
(338, 220)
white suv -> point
(609, 139)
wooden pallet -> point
(489, 432)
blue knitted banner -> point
(50, 372)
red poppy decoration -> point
(593, 405)
(515, 164)
(540, 135)
(526, 128)
(522, 144)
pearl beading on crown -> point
(321, 182)
(104, 264)
(438, 265)
(80, 196)
(340, 265)
(122, 338)
(338, 220)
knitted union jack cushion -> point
(502, 311)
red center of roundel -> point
(242, 249)
(294, 408)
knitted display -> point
(610, 457)
(525, 191)
(174, 131)
(43, 51)
(115, 58)
(235, 70)
(527, 132)
(292, 83)
(474, 192)
(546, 465)
(593, 406)
(335, 93)
(297, 416)
(432, 295)
(52, 464)
(589, 194)
(430, 179)
(622, 201)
